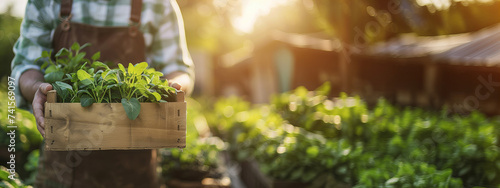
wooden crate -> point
(105, 126)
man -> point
(123, 31)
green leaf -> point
(140, 67)
(99, 64)
(61, 93)
(98, 73)
(62, 52)
(110, 75)
(82, 75)
(157, 96)
(146, 77)
(44, 65)
(122, 68)
(85, 45)
(98, 89)
(156, 80)
(132, 107)
(86, 100)
(54, 76)
(78, 57)
(64, 86)
(75, 46)
(131, 69)
(85, 83)
(152, 72)
(50, 69)
(141, 86)
(111, 86)
(45, 54)
(81, 92)
(4, 174)
(96, 56)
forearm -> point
(29, 82)
(182, 79)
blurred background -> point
(327, 93)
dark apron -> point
(108, 169)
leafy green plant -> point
(7, 182)
(77, 79)
(389, 173)
(66, 62)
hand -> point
(180, 81)
(39, 104)
(175, 85)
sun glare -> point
(251, 10)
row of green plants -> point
(305, 136)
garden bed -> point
(303, 136)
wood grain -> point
(105, 126)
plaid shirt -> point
(161, 24)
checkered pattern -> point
(161, 25)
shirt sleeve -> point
(168, 51)
(35, 37)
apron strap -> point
(66, 6)
(135, 12)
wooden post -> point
(180, 96)
(52, 96)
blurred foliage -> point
(368, 21)
(417, 174)
(27, 140)
(200, 158)
(460, 17)
(9, 32)
(359, 22)
(27, 135)
(31, 167)
(5, 181)
(304, 136)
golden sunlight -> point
(445, 4)
(251, 10)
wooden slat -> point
(52, 96)
(105, 126)
(180, 96)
